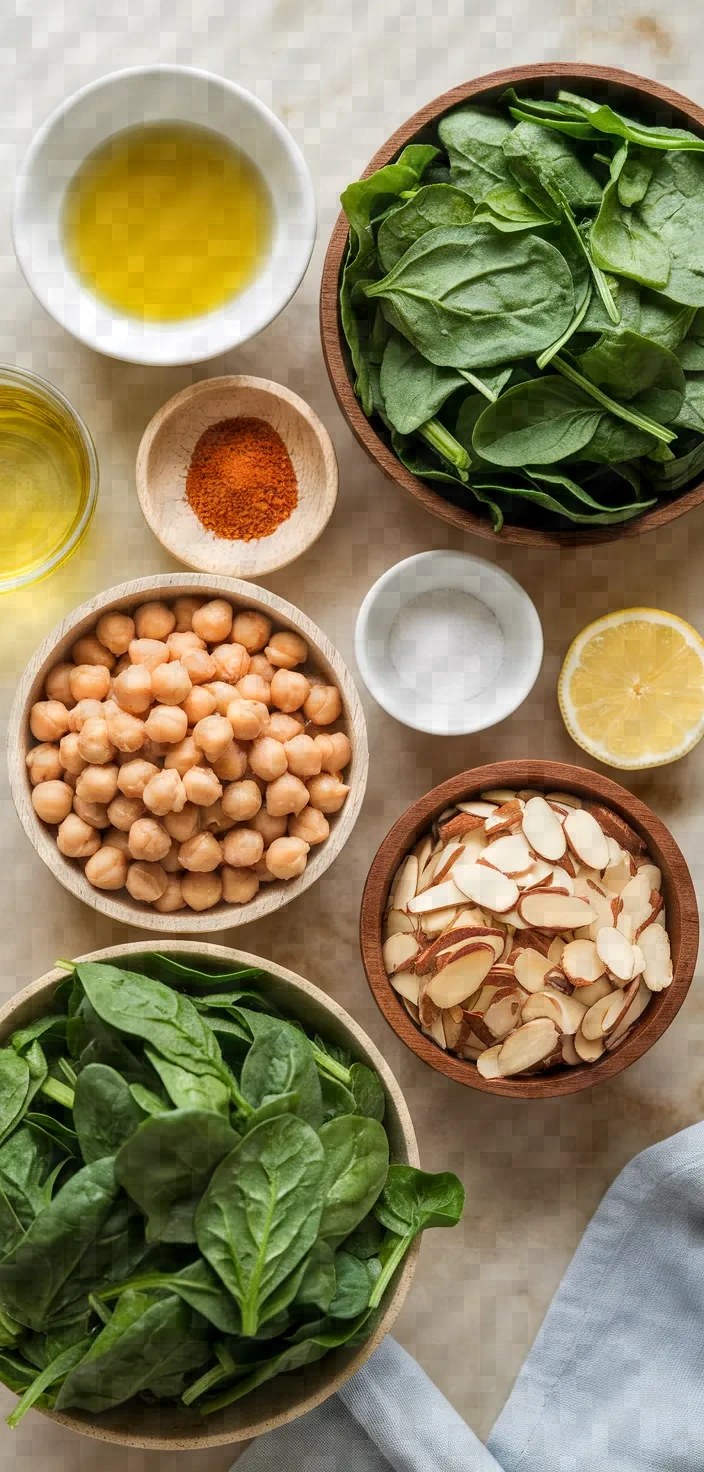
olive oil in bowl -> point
(48, 479)
(167, 221)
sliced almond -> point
(543, 829)
(407, 985)
(654, 944)
(593, 1021)
(582, 963)
(488, 1062)
(398, 951)
(469, 915)
(472, 1055)
(566, 1012)
(412, 1011)
(474, 843)
(500, 795)
(615, 827)
(588, 1050)
(653, 874)
(617, 874)
(566, 799)
(461, 823)
(427, 1008)
(437, 921)
(620, 1002)
(636, 894)
(503, 1011)
(504, 818)
(588, 995)
(530, 968)
(570, 1056)
(487, 887)
(477, 1004)
(551, 910)
(456, 1028)
(437, 1031)
(510, 854)
(616, 952)
(453, 951)
(427, 875)
(655, 910)
(454, 939)
(444, 861)
(570, 864)
(630, 1016)
(586, 839)
(556, 979)
(422, 852)
(555, 950)
(528, 1045)
(459, 979)
(438, 897)
(538, 876)
(405, 883)
(526, 793)
(480, 809)
(625, 925)
(561, 879)
(398, 923)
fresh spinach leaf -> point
(690, 349)
(411, 1201)
(337, 1100)
(673, 211)
(368, 1092)
(292, 1358)
(606, 120)
(147, 1009)
(366, 1239)
(430, 207)
(414, 389)
(356, 1163)
(27, 1171)
(196, 1284)
(621, 240)
(637, 372)
(317, 1286)
(188, 1090)
(691, 414)
(280, 1061)
(104, 1112)
(166, 1164)
(147, 1345)
(54, 1025)
(536, 423)
(147, 1101)
(14, 1088)
(473, 138)
(352, 1286)
(57, 1370)
(532, 153)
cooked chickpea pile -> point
(181, 754)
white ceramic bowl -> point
(150, 94)
(448, 643)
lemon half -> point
(631, 689)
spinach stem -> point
(212, 1377)
(66, 965)
(99, 1308)
(445, 445)
(477, 383)
(68, 1072)
(600, 281)
(650, 426)
(395, 1257)
(547, 356)
(58, 1092)
(57, 1370)
(328, 1065)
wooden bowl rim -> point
(178, 407)
(681, 900)
(271, 897)
(334, 346)
(44, 988)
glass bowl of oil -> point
(48, 478)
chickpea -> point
(97, 784)
(153, 621)
(253, 687)
(117, 838)
(287, 857)
(259, 665)
(149, 653)
(171, 683)
(286, 650)
(58, 686)
(89, 682)
(183, 610)
(201, 891)
(199, 704)
(248, 718)
(183, 755)
(76, 839)
(284, 728)
(165, 793)
(242, 847)
(232, 764)
(286, 795)
(133, 777)
(52, 801)
(200, 854)
(69, 755)
(153, 751)
(116, 632)
(123, 663)
(311, 825)
(44, 763)
(107, 869)
(213, 736)
(95, 814)
(323, 705)
(198, 664)
(214, 819)
(251, 629)
(133, 690)
(86, 710)
(149, 840)
(213, 621)
(269, 827)
(146, 882)
(289, 690)
(202, 786)
(241, 800)
(171, 863)
(166, 724)
(185, 642)
(126, 732)
(239, 886)
(183, 825)
(267, 758)
(327, 792)
(231, 662)
(261, 872)
(222, 694)
(124, 811)
(303, 757)
(89, 650)
(94, 743)
(49, 720)
(335, 751)
(172, 898)
(70, 778)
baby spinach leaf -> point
(536, 423)
(148, 1102)
(356, 1163)
(638, 372)
(188, 1090)
(411, 1201)
(581, 130)
(636, 173)
(366, 1239)
(352, 1287)
(547, 107)
(337, 1100)
(368, 1092)
(54, 1024)
(690, 349)
(292, 1358)
(317, 1286)
(621, 240)
(175, 972)
(413, 389)
(474, 138)
(456, 295)
(279, 1104)
(433, 205)
(691, 414)
(147, 1009)
(196, 1284)
(606, 120)
(614, 441)
(533, 154)
(48, 1128)
(363, 199)
(260, 1214)
(117, 1248)
(508, 209)
(57, 1370)
(280, 1061)
(147, 1345)
(14, 1088)
(166, 1165)
(632, 415)
(673, 210)
(677, 474)
(104, 1112)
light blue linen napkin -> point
(615, 1379)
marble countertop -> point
(343, 74)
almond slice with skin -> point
(437, 1031)
(530, 968)
(582, 963)
(586, 839)
(566, 799)
(555, 979)
(555, 950)
(487, 887)
(630, 1016)
(488, 1062)
(561, 879)
(635, 895)
(474, 843)
(422, 853)
(510, 854)
(454, 949)
(460, 824)
(398, 952)
(407, 985)
(456, 1028)
(543, 830)
(620, 1002)
(526, 793)
(437, 922)
(588, 1050)
(412, 1011)
(654, 944)
(616, 952)
(566, 1012)
(592, 1026)
(539, 876)
(503, 1011)
(398, 922)
(570, 1056)
(405, 883)
(653, 874)
(528, 1045)
(453, 939)
(655, 910)
(504, 818)
(549, 909)
(438, 897)
(617, 874)
(614, 827)
(499, 796)
(588, 995)
(445, 860)
(459, 979)
(427, 1008)
(480, 809)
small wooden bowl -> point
(678, 891)
(124, 598)
(624, 90)
(164, 456)
(169, 1428)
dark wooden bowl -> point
(626, 90)
(677, 888)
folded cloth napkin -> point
(615, 1379)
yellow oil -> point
(45, 481)
(167, 221)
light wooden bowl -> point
(624, 90)
(164, 456)
(282, 1400)
(125, 597)
(678, 891)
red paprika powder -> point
(241, 483)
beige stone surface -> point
(343, 74)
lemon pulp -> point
(166, 221)
(631, 689)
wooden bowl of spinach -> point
(209, 1196)
(512, 305)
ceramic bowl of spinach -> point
(512, 307)
(210, 1200)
